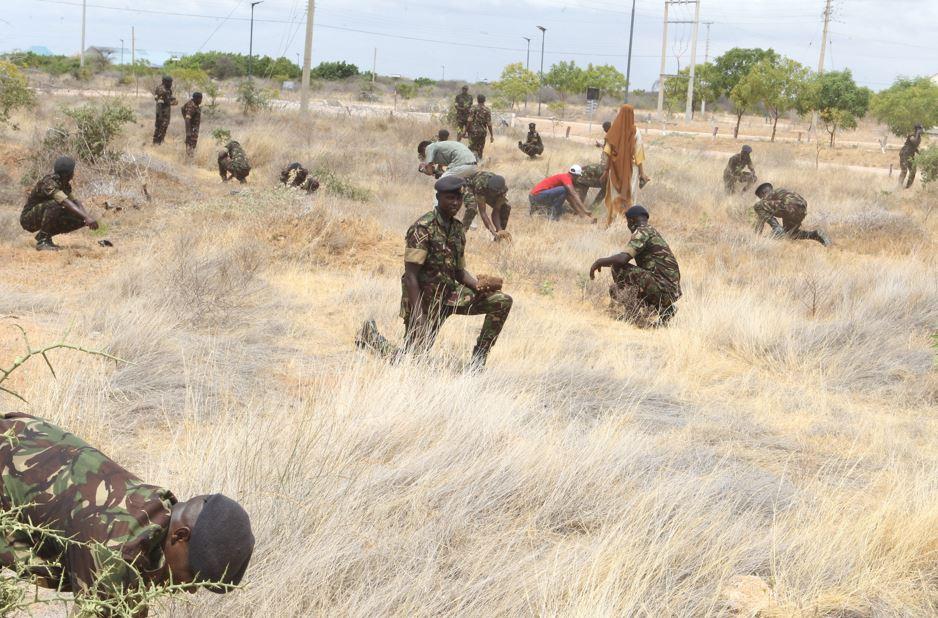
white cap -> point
(576, 170)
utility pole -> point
(308, 56)
(81, 52)
(443, 67)
(827, 21)
(374, 66)
(662, 78)
(703, 102)
(133, 60)
(664, 57)
(122, 52)
(689, 110)
(540, 89)
(527, 66)
(251, 40)
(628, 65)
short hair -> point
(221, 544)
(64, 166)
(465, 87)
(480, 98)
(422, 146)
(167, 79)
(606, 126)
(197, 96)
(443, 135)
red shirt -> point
(552, 182)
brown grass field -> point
(774, 452)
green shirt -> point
(450, 153)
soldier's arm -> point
(464, 277)
(618, 260)
(484, 213)
(76, 207)
(576, 202)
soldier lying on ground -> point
(791, 208)
(488, 189)
(655, 278)
(104, 532)
(297, 176)
(233, 163)
(53, 209)
(437, 285)
(735, 175)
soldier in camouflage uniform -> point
(487, 188)
(479, 125)
(791, 208)
(192, 114)
(437, 285)
(297, 176)
(233, 163)
(463, 104)
(655, 277)
(532, 145)
(907, 156)
(593, 177)
(164, 102)
(88, 526)
(736, 173)
(53, 209)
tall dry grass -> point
(783, 427)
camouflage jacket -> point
(164, 96)
(115, 524)
(192, 113)
(49, 187)
(590, 178)
(651, 252)
(293, 178)
(739, 162)
(463, 103)
(239, 158)
(780, 203)
(439, 247)
(533, 139)
(478, 184)
(480, 117)
(911, 145)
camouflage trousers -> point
(462, 124)
(653, 290)
(471, 210)
(161, 124)
(495, 307)
(192, 137)
(741, 181)
(229, 168)
(477, 144)
(582, 191)
(532, 149)
(791, 222)
(908, 168)
(50, 218)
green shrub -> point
(424, 82)
(221, 136)
(252, 98)
(334, 70)
(927, 163)
(406, 90)
(15, 92)
(340, 187)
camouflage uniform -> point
(591, 179)
(115, 524)
(192, 114)
(480, 117)
(440, 250)
(788, 206)
(164, 102)
(907, 158)
(655, 277)
(736, 173)
(478, 185)
(44, 212)
(532, 146)
(299, 178)
(233, 162)
(463, 105)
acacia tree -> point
(779, 84)
(730, 69)
(706, 87)
(605, 77)
(839, 101)
(906, 103)
(516, 84)
(15, 92)
(566, 78)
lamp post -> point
(540, 90)
(251, 40)
(628, 66)
(527, 66)
(122, 52)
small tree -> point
(730, 69)
(189, 80)
(406, 90)
(566, 78)
(779, 84)
(744, 98)
(906, 103)
(334, 70)
(252, 98)
(516, 84)
(605, 77)
(15, 92)
(927, 163)
(96, 126)
(839, 101)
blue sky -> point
(877, 39)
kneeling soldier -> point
(791, 208)
(52, 209)
(233, 163)
(437, 285)
(295, 175)
(532, 145)
(488, 189)
(655, 276)
(93, 528)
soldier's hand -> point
(91, 223)
(491, 139)
(486, 284)
(595, 268)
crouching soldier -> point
(788, 206)
(52, 209)
(532, 145)
(297, 176)
(488, 189)
(437, 285)
(233, 163)
(92, 528)
(655, 277)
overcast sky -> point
(877, 39)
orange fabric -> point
(620, 141)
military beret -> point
(449, 184)
(765, 185)
(222, 543)
(636, 211)
(747, 149)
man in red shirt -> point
(553, 191)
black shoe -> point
(822, 238)
(46, 244)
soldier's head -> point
(197, 98)
(747, 150)
(919, 128)
(497, 184)
(481, 99)
(764, 189)
(64, 168)
(294, 166)
(449, 194)
(636, 216)
(167, 80)
(606, 126)
(465, 89)
(422, 149)
(442, 135)
(209, 542)
(531, 126)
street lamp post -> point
(527, 66)
(628, 66)
(443, 67)
(540, 90)
(251, 40)
(122, 52)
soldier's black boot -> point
(821, 237)
(44, 243)
(480, 355)
(665, 315)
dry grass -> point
(783, 426)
